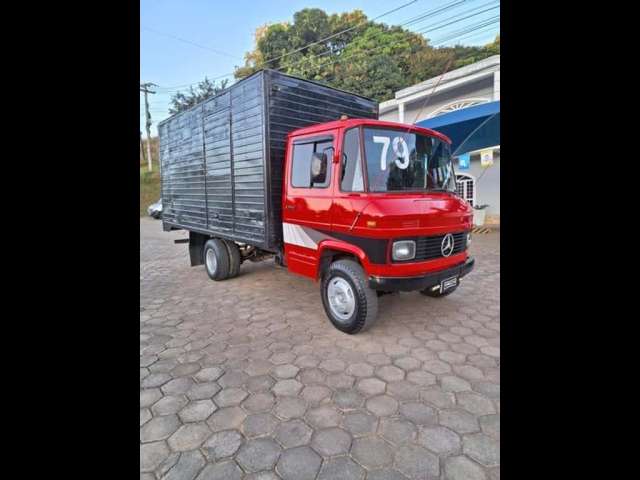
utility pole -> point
(144, 87)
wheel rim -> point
(342, 301)
(212, 261)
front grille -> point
(429, 248)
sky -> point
(182, 41)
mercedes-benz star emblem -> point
(447, 245)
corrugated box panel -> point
(182, 157)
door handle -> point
(290, 206)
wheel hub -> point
(212, 261)
(342, 301)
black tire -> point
(436, 293)
(221, 254)
(234, 258)
(366, 299)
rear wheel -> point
(234, 258)
(349, 302)
(216, 259)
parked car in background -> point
(155, 209)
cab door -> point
(306, 209)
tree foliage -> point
(372, 59)
(205, 89)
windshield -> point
(400, 161)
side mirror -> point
(318, 167)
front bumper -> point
(409, 284)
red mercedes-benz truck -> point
(277, 166)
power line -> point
(432, 28)
(204, 47)
(483, 23)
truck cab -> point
(370, 207)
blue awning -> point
(469, 129)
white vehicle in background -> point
(155, 209)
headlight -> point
(468, 238)
(403, 250)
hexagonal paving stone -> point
(262, 476)
(233, 378)
(289, 387)
(382, 405)
(155, 380)
(459, 421)
(341, 468)
(407, 363)
(169, 404)
(187, 466)
(490, 425)
(209, 374)
(420, 377)
(228, 397)
(310, 376)
(290, 407)
(416, 462)
(371, 386)
(437, 397)
(197, 411)
(418, 413)
(177, 386)
(152, 455)
(185, 369)
(452, 357)
(188, 437)
(228, 470)
(371, 452)
(202, 391)
(259, 402)
(259, 424)
(475, 403)
(149, 396)
(159, 428)
(332, 365)
(258, 454)
(307, 361)
(348, 399)
(360, 423)
(260, 383)
(360, 370)
(324, 416)
(293, 433)
(461, 468)
(331, 441)
(385, 474)
(397, 431)
(451, 383)
(226, 419)
(379, 359)
(389, 373)
(315, 394)
(340, 381)
(286, 371)
(439, 440)
(482, 448)
(145, 416)
(222, 444)
(300, 463)
(437, 367)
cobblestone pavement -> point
(247, 378)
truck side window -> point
(301, 163)
(351, 178)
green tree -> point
(205, 89)
(371, 59)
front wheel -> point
(349, 302)
(216, 259)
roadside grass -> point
(149, 181)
